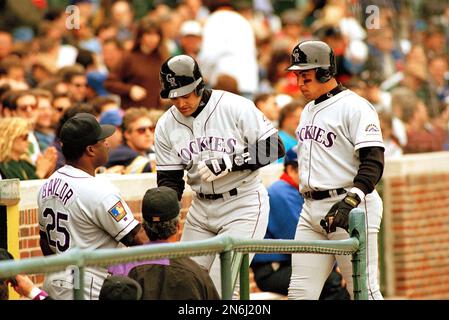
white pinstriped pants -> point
(310, 271)
(241, 216)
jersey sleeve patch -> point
(372, 128)
(117, 211)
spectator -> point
(13, 68)
(272, 271)
(113, 117)
(288, 122)
(402, 99)
(167, 279)
(383, 54)
(439, 78)
(230, 50)
(95, 76)
(190, 37)
(120, 288)
(90, 211)
(61, 102)
(76, 80)
(282, 82)
(113, 53)
(392, 147)
(6, 44)
(266, 102)
(44, 131)
(24, 104)
(380, 99)
(122, 16)
(138, 138)
(136, 80)
(422, 136)
(103, 104)
(14, 160)
(197, 10)
(226, 82)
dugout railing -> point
(233, 253)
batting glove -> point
(214, 168)
(338, 215)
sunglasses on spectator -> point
(142, 130)
(25, 107)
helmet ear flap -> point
(199, 88)
(323, 75)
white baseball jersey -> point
(78, 210)
(227, 124)
(329, 136)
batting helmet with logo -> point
(314, 54)
(179, 76)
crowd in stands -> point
(103, 57)
(106, 56)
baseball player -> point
(78, 210)
(342, 159)
(221, 140)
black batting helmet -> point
(179, 76)
(312, 54)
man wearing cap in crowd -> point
(190, 38)
(78, 210)
(113, 117)
(166, 279)
(120, 288)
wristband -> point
(358, 192)
(37, 294)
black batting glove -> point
(338, 215)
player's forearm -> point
(173, 179)
(43, 242)
(260, 154)
(135, 237)
(370, 169)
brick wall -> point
(416, 226)
(415, 222)
(132, 188)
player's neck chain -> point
(339, 88)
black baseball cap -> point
(83, 129)
(120, 288)
(160, 204)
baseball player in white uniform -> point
(78, 210)
(221, 140)
(342, 159)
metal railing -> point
(233, 257)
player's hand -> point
(23, 285)
(214, 168)
(338, 215)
